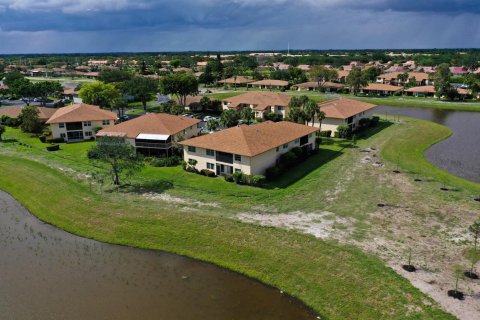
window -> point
(285, 146)
(87, 124)
(238, 170)
(192, 149)
(62, 135)
(106, 122)
(210, 166)
(238, 157)
(61, 125)
(210, 153)
(88, 134)
(280, 108)
(297, 141)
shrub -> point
(326, 133)
(374, 121)
(96, 129)
(398, 94)
(297, 151)
(53, 147)
(237, 177)
(318, 140)
(258, 180)
(288, 158)
(13, 122)
(259, 119)
(184, 165)
(166, 162)
(273, 173)
(344, 131)
(228, 178)
(54, 140)
(208, 173)
(43, 138)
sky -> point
(69, 26)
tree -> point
(100, 94)
(43, 89)
(442, 80)
(321, 74)
(114, 75)
(473, 82)
(142, 89)
(475, 231)
(119, 156)
(23, 88)
(412, 82)
(247, 114)
(372, 73)
(217, 69)
(177, 109)
(311, 109)
(212, 124)
(29, 120)
(179, 84)
(207, 77)
(320, 116)
(356, 80)
(205, 103)
(2, 131)
(11, 77)
(119, 104)
(229, 118)
(403, 77)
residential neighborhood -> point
(239, 160)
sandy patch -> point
(165, 197)
(324, 225)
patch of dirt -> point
(165, 197)
(324, 225)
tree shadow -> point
(142, 187)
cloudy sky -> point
(48, 26)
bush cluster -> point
(245, 179)
(53, 147)
(326, 133)
(166, 162)
(286, 161)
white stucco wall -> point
(57, 131)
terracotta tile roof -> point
(343, 73)
(239, 80)
(344, 108)
(314, 84)
(251, 140)
(152, 123)
(69, 91)
(81, 112)
(13, 112)
(422, 89)
(382, 87)
(419, 76)
(260, 99)
(268, 82)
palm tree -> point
(247, 114)
(320, 117)
(310, 109)
(229, 118)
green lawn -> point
(339, 282)
(419, 103)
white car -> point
(207, 118)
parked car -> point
(188, 115)
(206, 118)
(124, 117)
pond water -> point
(46, 273)
(458, 154)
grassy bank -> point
(420, 103)
(408, 148)
(338, 281)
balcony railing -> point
(153, 145)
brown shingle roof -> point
(268, 82)
(238, 80)
(152, 123)
(382, 87)
(344, 108)
(427, 89)
(314, 84)
(81, 112)
(251, 140)
(13, 112)
(419, 76)
(260, 99)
